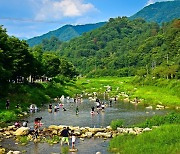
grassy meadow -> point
(151, 92)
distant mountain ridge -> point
(65, 33)
(159, 12)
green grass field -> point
(152, 92)
(162, 140)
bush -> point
(170, 118)
(23, 139)
(8, 116)
(163, 140)
(116, 123)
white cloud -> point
(154, 1)
(57, 9)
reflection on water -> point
(130, 113)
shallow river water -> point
(130, 113)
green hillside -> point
(65, 33)
(123, 48)
(160, 12)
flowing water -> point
(130, 113)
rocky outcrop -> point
(80, 132)
(2, 150)
(104, 135)
(14, 152)
(21, 131)
(87, 132)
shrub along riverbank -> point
(164, 139)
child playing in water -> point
(73, 139)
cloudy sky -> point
(29, 18)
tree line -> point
(18, 60)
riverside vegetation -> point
(124, 143)
(150, 92)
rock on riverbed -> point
(81, 132)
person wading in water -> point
(65, 134)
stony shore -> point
(54, 130)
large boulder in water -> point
(14, 152)
(61, 126)
(54, 127)
(83, 130)
(89, 134)
(95, 130)
(77, 132)
(106, 135)
(2, 150)
(11, 127)
(77, 128)
(22, 131)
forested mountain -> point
(160, 12)
(65, 33)
(123, 47)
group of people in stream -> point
(100, 106)
(56, 107)
(60, 106)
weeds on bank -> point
(116, 123)
(55, 139)
(170, 118)
(23, 140)
(162, 140)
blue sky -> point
(29, 18)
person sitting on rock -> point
(24, 124)
(17, 124)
